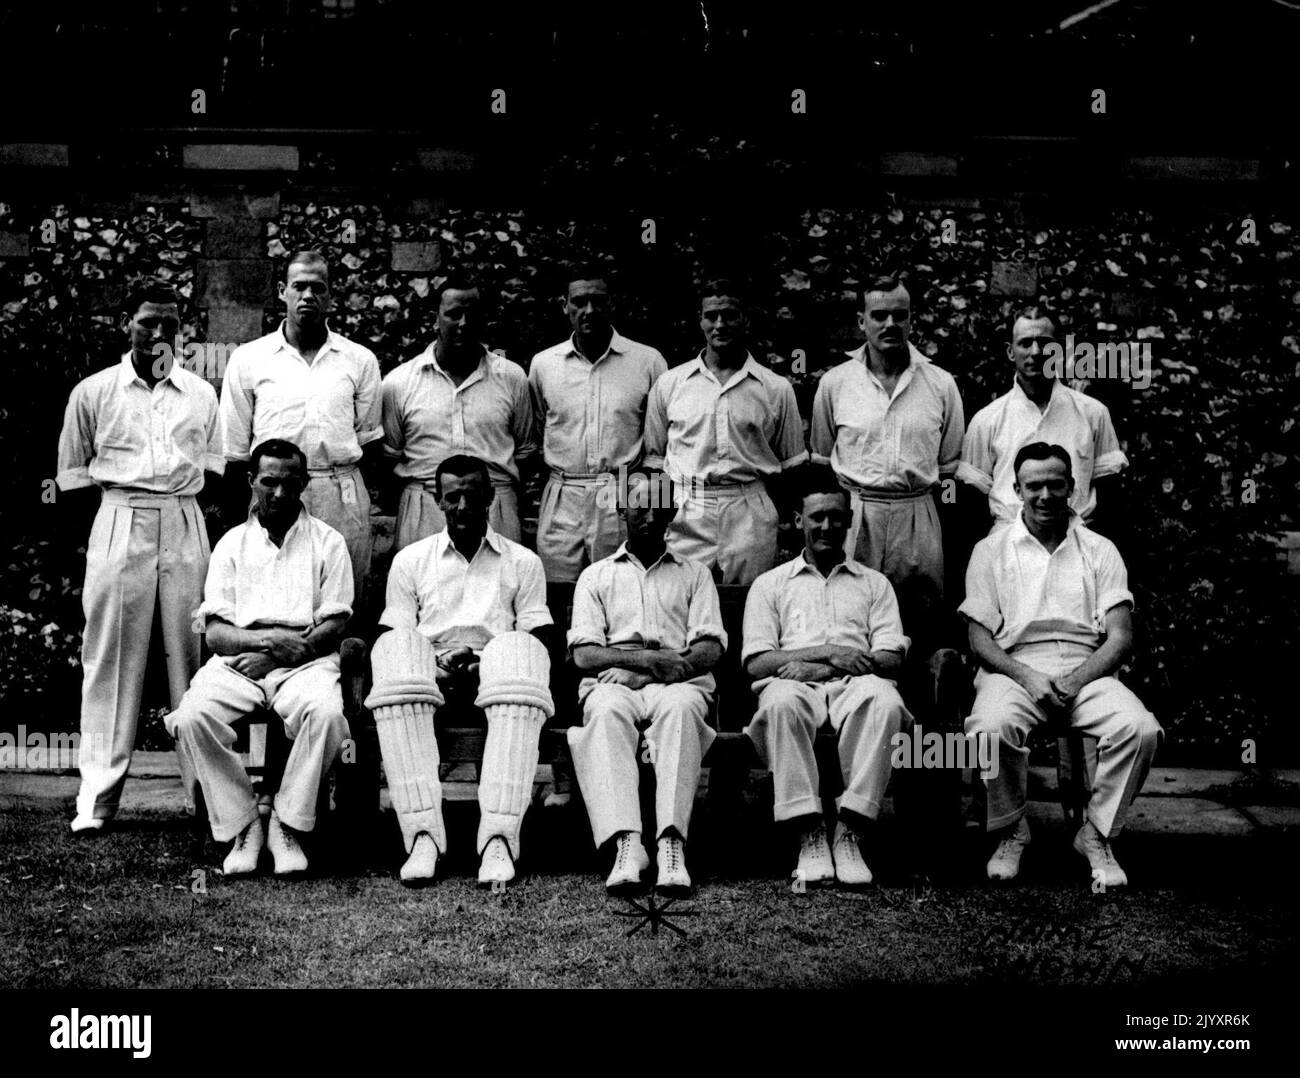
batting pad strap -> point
(410, 690)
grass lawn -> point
(120, 911)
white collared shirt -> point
(1078, 423)
(328, 408)
(620, 603)
(591, 413)
(435, 591)
(300, 583)
(793, 606)
(902, 441)
(117, 432)
(1024, 595)
(428, 418)
(698, 429)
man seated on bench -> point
(646, 631)
(1050, 620)
(824, 642)
(469, 626)
(277, 598)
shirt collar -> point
(915, 357)
(1020, 532)
(299, 522)
(491, 539)
(801, 564)
(429, 358)
(749, 368)
(127, 375)
(331, 341)
(622, 554)
(1017, 390)
(617, 346)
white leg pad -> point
(514, 678)
(403, 700)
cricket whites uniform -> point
(889, 452)
(1073, 420)
(253, 584)
(792, 607)
(148, 550)
(720, 443)
(592, 418)
(1048, 611)
(428, 418)
(449, 601)
(328, 408)
(619, 603)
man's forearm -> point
(1101, 663)
(326, 637)
(225, 639)
(992, 656)
(703, 656)
(887, 664)
(595, 658)
(769, 662)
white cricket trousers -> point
(1127, 735)
(309, 701)
(146, 552)
(864, 711)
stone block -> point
(416, 256)
(1163, 167)
(434, 159)
(1013, 279)
(233, 203)
(917, 164)
(236, 237)
(239, 157)
(234, 282)
(234, 325)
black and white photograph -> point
(668, 496)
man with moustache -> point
(145, 432)
(725, 428)
(457, 398)
(646, 632)
(1050, 621)
(589, 395)
(316, 389)
(277, 599)
(824, 642)
(1038, 407)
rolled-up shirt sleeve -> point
(1107, 457)
(523, 428)
(394, 429)
(789, 445)
(884, 623)
(334, 595)
(401, 603)
(1112, 584)
(219, 587)
(590, 621)
(76, 442)
(368, 402)
(981, 603)
(762, 622)
(976, 465)
(215, 458)
(531, 611)
(823, 425)
(704, 611)
(236, 409)
(656, 425)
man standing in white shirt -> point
(825, 644)
(589, 396)
(277, 599)
(1038, 408)
(146, 432)
(725, 428)
(1050, 621)
(310, 386)
(459, 589)
(458, 399)
(646, 631)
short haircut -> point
(587, 271)
(459, 465)
(724, 286)
(884, 282)
(656, 478)
(457, 282)
(810, 479)
(148, 291)
(1042, 451)
(1032, 311)
(307, 258)
(278, 449)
